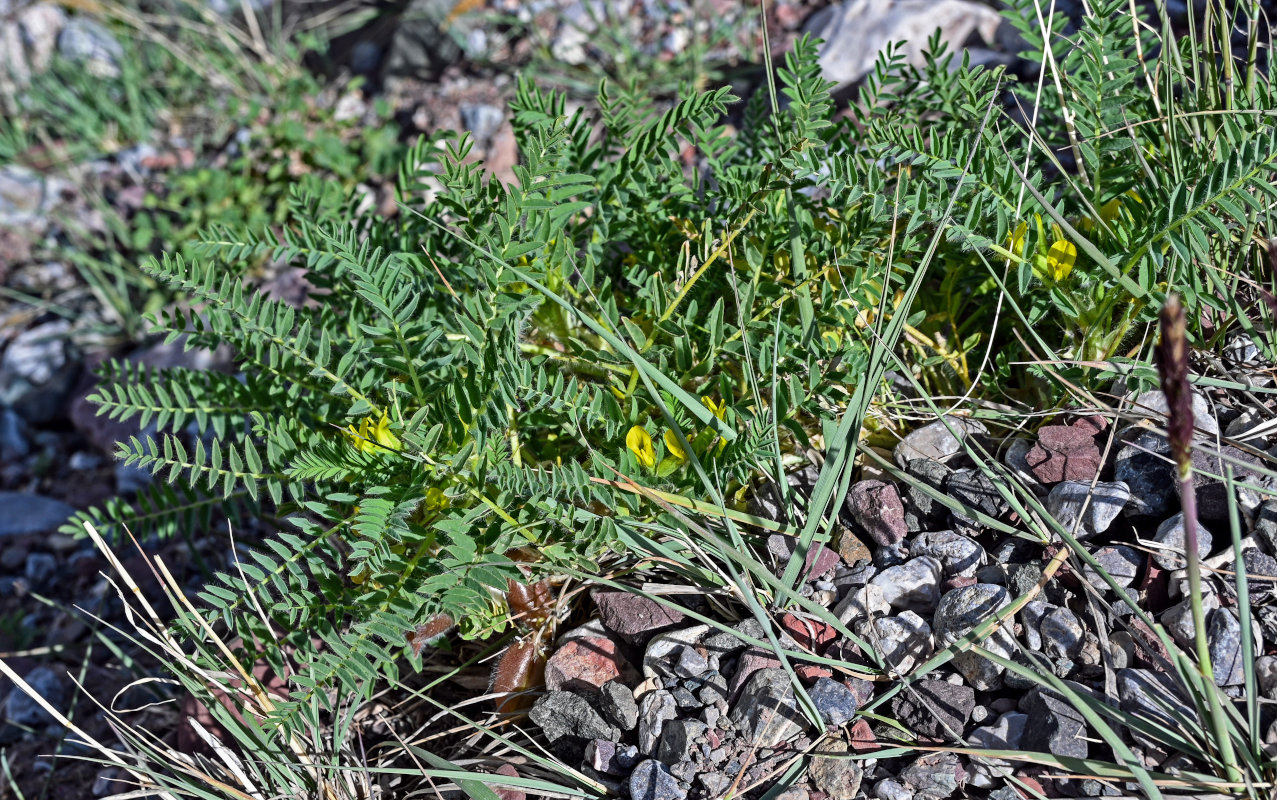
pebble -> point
(13, 440)
(1057, 726)
(665, 653)
(1265, 530)
(835, 702)
(1006, 733)
(1062, 633)
(39, 569)
(651, 780)
(935, 709)
(1068, 503)
(37, 370)
(1144, 466)
(923, 512)
(934, 776)
(569, 721)
(634, 618)
(767, 709)
(1122, 563)
(22, 513)
(655, 709)
(1154, 697)
(88, 41)
(837, 778)
(21, 709)
(1152, 405)
(959, 611)
(482, 121)
(891, 789)
(607, 757)
(1266, 676)
(975, 491)
(678, 740)
(1064, 453)
(585, 664)
(935, 441)
(904, 640)
(616, 702)
(875, 507)
(1247, 421)
(1224, 635)
(820, 560)
(1169, 543)
(958, 554)
(914, 584)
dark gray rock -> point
(1144, 466)
(1261, 569)
(13, 439)
(922, 511)
(569, 722)
(1062, 633)
(1208, 481)
(958, 554)
(1155, 698)
(651, 780)
(21, 709)
(961, 610)
(22, 513)
(679, 739)
(40, 569)
(1169, 543)
(976, 491)
(1152, 405)
(655, 709)
(1055, 725)
(37, 371)
(610, 758)
(767, 709)
(1122, 563)
(934, 776)
(482, 120)
(935, 709)
(1085, 512)
(616, 703)
(935, 441)
(1224, 635)
(1265, 529)
(836, 703)
(421, 48)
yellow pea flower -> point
(640, 444)
(1060, 259)
(1015, 239)
(671, 444)
(371, 436)
(719, 409)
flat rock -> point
(838, 778)
(569, 722)
(904, 640)
(1121, 562)
(1153, 406)
(22, 513)
(21, 709)
(836, 703)
(977, 492)
(934, 776)
(959, 611)
(586, 664)
(767, 710)
(1057, 727)
(1064, 453)
(1085, 512)
(914, 584)
(935, 441)
(875, 508)
(958, 554)
(1169, 539)
(634, 618)
(820, 560)
(652, 780)
(935, 709)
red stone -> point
(876, 507)
(812, 634)
(1064, 453)
(585, 665)
(861, 738)
(810, 673)
(751, 661)
(959, 581)
(1093, 422)
(508, 792)
(634, 618)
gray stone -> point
(89, 42)
(1121, 562)
(876, 510)
(1242, 350)
(665, 653)
(961, 610)
(935, 441)
(1057, 727)
(37, 370)
(1017, 460)
(1155, 698)
(482, 120)
(903, 641)
(22, 513)
(934, 776)
(1084, 512)
(935, 709)
(13, 440)
(856, 30)
(891, 789)
(1062, 633)
(679, 740)
(651, 780)
(767, 709)
(39, 569)
(1250, 419)
(655, 709)
(839, 778)
(131, 478)
(1266, 676)
(1153, 406)
(1005, 733)
(616, 702)
(958, 554)
(25, 196)
(1144, 466)
(21, 709)
(1265, 529)
(975, 491)
(1224, 635)
(914, 584)
(39, 25)
(922, 511)
(1178, 620)
(1169, 542)
(836, 703)
(569, 722)
(420, 46)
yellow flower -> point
(1110, 210)
(1015, 239)
(719, 409)
(640, 444)
(671, 444)
(435, 500)
(370, 436)
(1060, 259)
